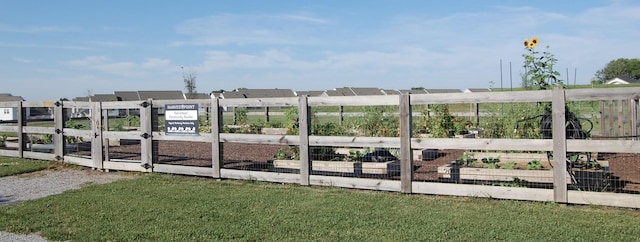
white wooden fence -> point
(560, 145)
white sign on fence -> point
(181, 119)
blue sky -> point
(70, 48)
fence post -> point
(340, 115)
(406, 155)
(105, 142)
(216, 146)
(612, 132)
(477, 114)
(304, 125)
(634, 119)
(96, 139)
(59, 117)
(146, 143)
(621, 132)
(22, 137)
(559, 146)
(603, 125)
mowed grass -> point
(158, 207)
(13, 166)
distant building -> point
(309, 93)
(9, 114)
(127, 96)
(476, 90)
(622, 79)
(353, 91)
(257, 93)
(433, 91)
(413, 91)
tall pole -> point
(500, 74)
(510, 76)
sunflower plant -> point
(539, 72)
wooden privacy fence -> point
(147, 135)
(617, 119)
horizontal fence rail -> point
(87, 133)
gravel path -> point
(15, 189)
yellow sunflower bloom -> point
(526, 43)
(534, 41)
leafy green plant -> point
(40, 138)
(227, 129)
(327, 129)
(421, 123)
(356, 155)
(441, 124)
(274, 124)
(508, 166)
(461, 126)
(466, 159)
(534, 165)
(517, 182)
(539, 75)
(250, 129)
(513, 120)
(240, 116)
(377, 121)
(291, 123)
(281, 154)
(539, 72)
(491, 162)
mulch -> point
(625, 168)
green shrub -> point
(441, 124)
(291, 117)
(240, 116)
(508, 166)
(491, 162)
(534, 165)
(466, 159)
(327, 129)
(377, 122)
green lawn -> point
(158, 207)
(14, 166)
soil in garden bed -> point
(624, 167)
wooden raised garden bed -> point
(274, 131)
(545, 175)
(378, 168)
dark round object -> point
(430, 154)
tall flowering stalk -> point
(539, 72)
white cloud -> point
(235, 29)
(108, 43)
(36, 29)
(23, 60)
(123, 68)
(42, 46)
(156, 63)
(304, 18)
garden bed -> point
(378, 168)
(624, 167)
(517, 171)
